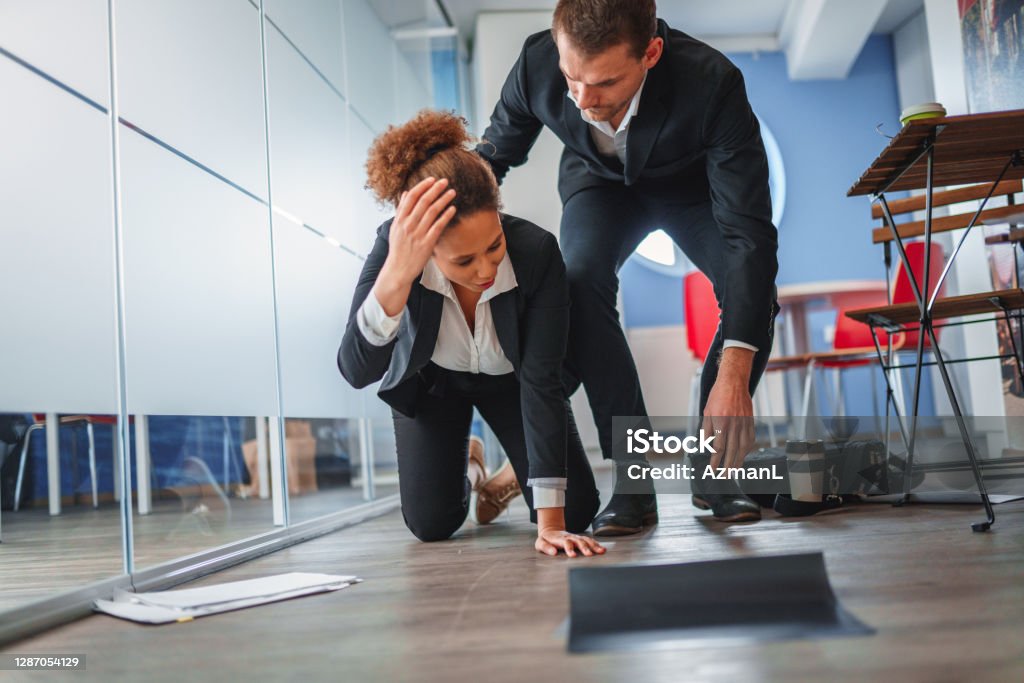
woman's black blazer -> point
(531, 322)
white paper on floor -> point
(165, 607)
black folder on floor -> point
(739, 600)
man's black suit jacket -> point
(531, 322)
(694, 139)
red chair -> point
(853, 345)
(902, 292)
(702, 316)
(700, 307)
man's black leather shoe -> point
(626, 513)
(723, 497)
(728, 507)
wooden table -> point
(939, 152)
(798, 300)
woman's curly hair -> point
(432, 144)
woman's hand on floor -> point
(550, 541)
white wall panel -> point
(56, 238)
(370, 59)
(316, 281)
(309, 142)
(189, 72)
(314, 26)
(365, 214)
(532, 191)
(374, 407)
(198, 280)
(67, 39)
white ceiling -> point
(828, 33)
(733, 18)
(717, 17)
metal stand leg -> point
(915, 406)
(886, 362)
(920, 297)
(874, 399)
(1013, 342)
(971, 455)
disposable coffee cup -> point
(926, 110)
(806, 463)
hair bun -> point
(399, 150)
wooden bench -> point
(947, 223)
(948, 307)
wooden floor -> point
(43, 555)
(948, 605)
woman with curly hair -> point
(460, 306)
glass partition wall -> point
(178, 282)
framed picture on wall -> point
(993, 38)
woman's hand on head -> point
(551, 541)
(421, 216)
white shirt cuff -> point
(378, 327)
(743, 345)
(548, 492)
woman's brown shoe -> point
(496, 493)
(476, 471)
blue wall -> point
(445, 69)
(826, 131)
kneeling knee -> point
(433, 530)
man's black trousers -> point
(601, 227)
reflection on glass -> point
(322, 458)
(58, 494)
(195, 469)
(385, 458)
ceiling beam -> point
(822, 38)
(754, 42)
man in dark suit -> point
(658, 133)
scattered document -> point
(165, 607)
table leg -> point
(277, 472)
(366, 457)
(790, 348)
(262, 457)
(53, 461)
(972, 456)
(142, 465)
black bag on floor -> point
(850, 470)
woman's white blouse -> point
(457, 348)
